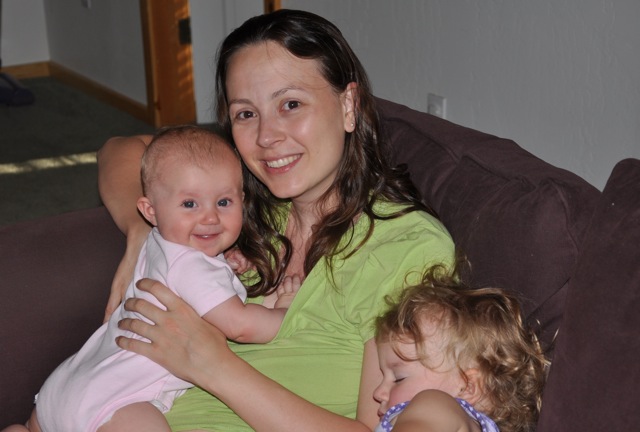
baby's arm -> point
(434, 411)
(247, 323)
(254, 323)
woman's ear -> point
(349, 104)
(146, 208)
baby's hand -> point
(287, 291)
(237, 261)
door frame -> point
(168, 63)
(272, 5)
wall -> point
(103, 43)
(557, 76)
(23, 37)
(211, 21)
(560, 77)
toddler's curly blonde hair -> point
(483, 329)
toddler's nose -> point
(380, 394)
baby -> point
(193, 196)
(457, 359)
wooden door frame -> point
(169, 64)
(272, 5)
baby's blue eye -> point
(224, 203)
(189, 204)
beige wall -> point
(557, 76)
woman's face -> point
(287, 121)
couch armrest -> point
(56, 274)
(593, 381)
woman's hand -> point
(180, 340)
(124, 272)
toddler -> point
(457, 359)
(193, 196)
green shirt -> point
(318, 352)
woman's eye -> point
(224, 203)
(289, 105)
(242, 115)
(189, 204)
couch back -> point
(519, 220)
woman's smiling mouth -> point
(279, 163)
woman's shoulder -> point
(410, 224)
(415, 237)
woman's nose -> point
(268, 132)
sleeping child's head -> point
(192, 184)
(468, 343)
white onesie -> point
(88, 387)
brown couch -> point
(571, 252)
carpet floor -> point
(47, 150)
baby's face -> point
(201, 208)
(403, 379)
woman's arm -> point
(369, 381)
(187, 346)
(120, 187)
(119, 178)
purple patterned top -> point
(483, 420)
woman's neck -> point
(306, 214)
(300, 229)
(303, 217)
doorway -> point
(168, 60)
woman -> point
(321, 203)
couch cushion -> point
(593, 382)
(518, 219)
(61, 267)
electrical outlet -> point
(86, 3)
(436, 105)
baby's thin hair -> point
(482, 329)
(186, 143)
